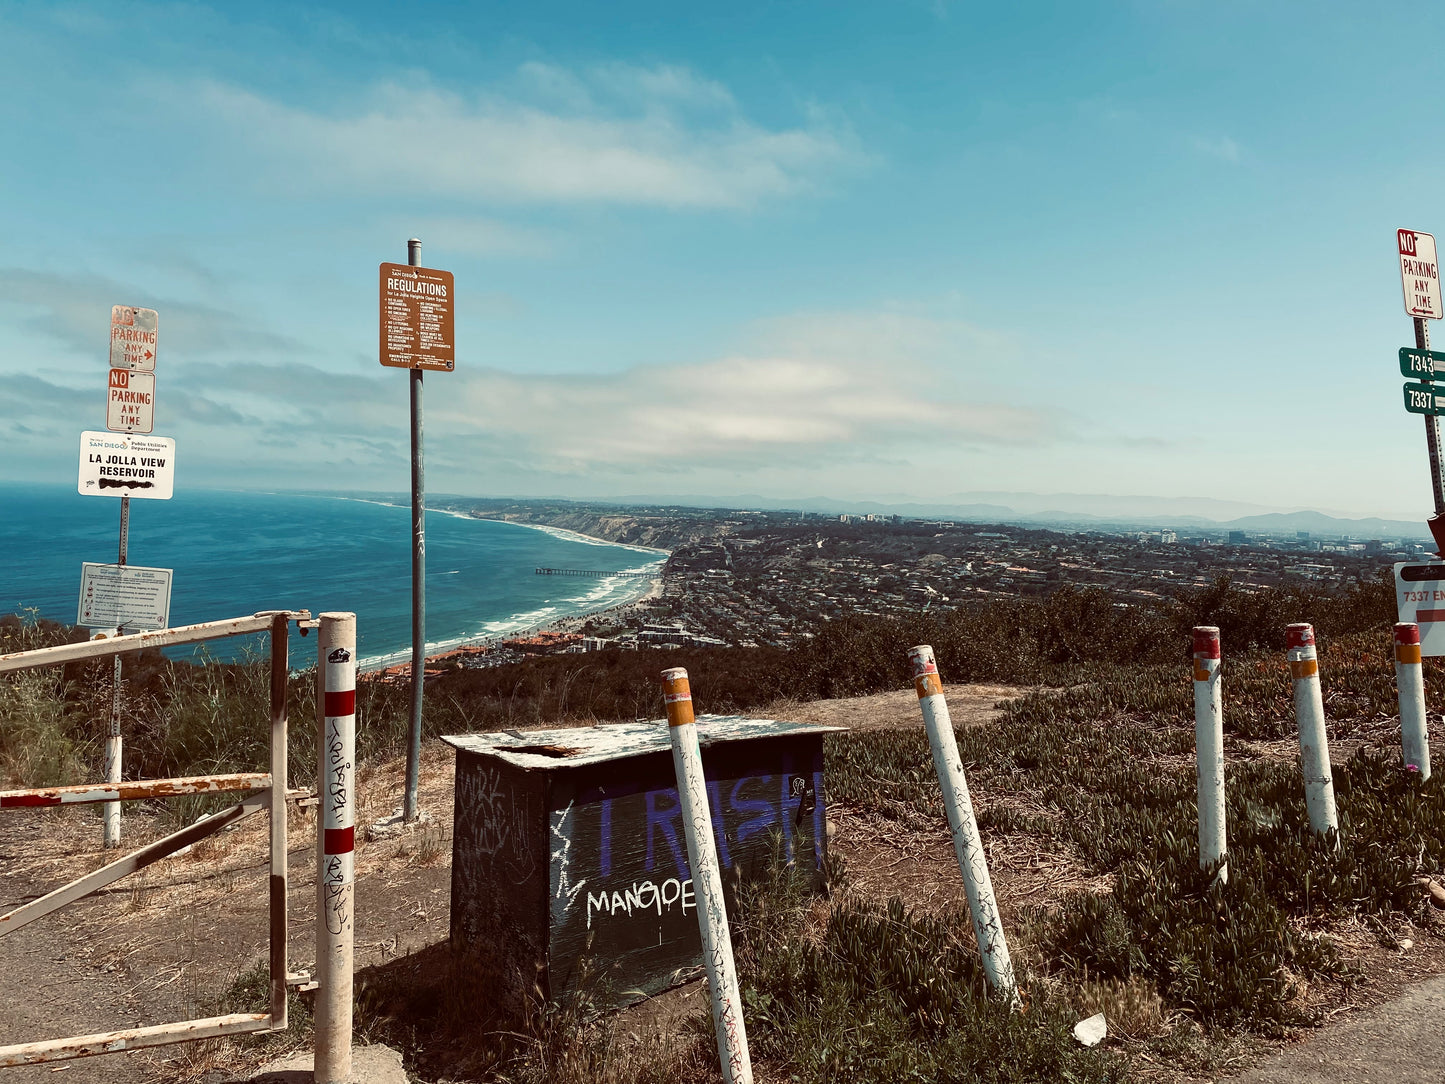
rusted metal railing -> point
(268, 793)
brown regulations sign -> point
(417, 318)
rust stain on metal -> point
(117, 645)
(124, 792)
(109, 1042)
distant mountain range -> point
(1089, 511)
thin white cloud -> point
(733, 412)
(619, 134)
(75, 310)
(1221, 147)
(476, 236)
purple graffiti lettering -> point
(666, 820)
(766, 814)
(719, 827)
(819, 830)
(604, 847)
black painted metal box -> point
(569, 865)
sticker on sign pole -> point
(130, 405)
(1420, 274)
(1420, 598)
(133, 338)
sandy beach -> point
(550, 634)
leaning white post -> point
(972, 861)
(1309, 710)
(1209, 748)
(335, 845)
(712, 916)
(1410, 683)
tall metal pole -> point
(110, 812)
(1432, 425)
(280, 669)
(418, 578)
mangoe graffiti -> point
(643, 898)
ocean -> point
(236, 553)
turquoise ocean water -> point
(236, 553)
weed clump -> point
(869, 992)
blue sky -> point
(883, 250)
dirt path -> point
(165, 944)
(968, 705)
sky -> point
(901, 251)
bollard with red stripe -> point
(1309, 710)
(1209, 748)
(1410, 684)
(336, 845)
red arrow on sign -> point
(150, 354)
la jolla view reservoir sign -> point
(127, 465)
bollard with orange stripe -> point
(1209, 748)
(967, 845)
(335, 845)
(712, 915)
(1410, 684)
(1309, 710)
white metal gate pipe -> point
(712, 917)
(335, 840)
(1410, 683)
(1209, 748)
(1309, 710)
(972, 861)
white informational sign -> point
(127, 465)
(125, 597)
(1420, 597)
(132, 338)
(130, 405)
(1420, 274)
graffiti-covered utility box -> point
(569, 863)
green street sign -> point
(1425, 398)
(1421, 364)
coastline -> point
(554, 631)
(391, 666)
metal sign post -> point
(418, 579)
(110, 811)
(417, 322)
(1420, 282)
(137, 466)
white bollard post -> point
(972, 862)
(1309, 710)
(335, 845)
(1410, 683)
(1209, 748)
(712, 917)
